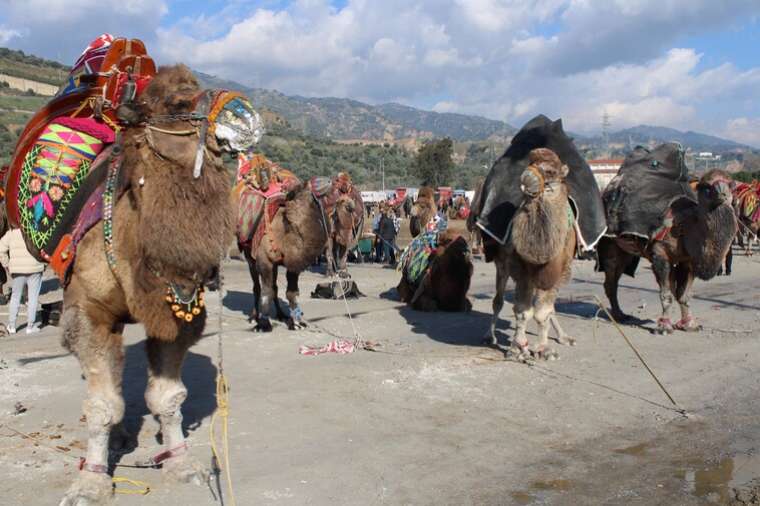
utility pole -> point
(382, 168)
(606, 133)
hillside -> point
(643, 134)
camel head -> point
(178, 185)
(344, 219)
(423, 210)
(715, 189)
(545, 170)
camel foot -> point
(543, 352)
(89, 489)
(565, 340)
(518, 351)
(185, 469)
(263, 325)
(294, 324)
(688, 324)
(664, 326)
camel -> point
(423, 210)
(446, 280)
(169, 233)
(294, 238)
(538, 255)
(695, 245)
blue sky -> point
(686, 64)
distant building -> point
(604, 169)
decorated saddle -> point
(257, 205)
(747, 198)
(639, 198)
(64, 175)
(501, 195)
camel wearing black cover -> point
(695, 246)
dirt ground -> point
(432, 417)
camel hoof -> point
(263, 325)
(566, 341)
(185, 469)
(89, 489)
(544, 353)
(688, 325)
(664, 326)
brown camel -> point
(696, 245)
(538, 256)
(294, 238)
(169, 234)
(445, 284)
(345, 223)
(423, 210)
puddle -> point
(561, 485)
(717, 479)
(522, 498)
(638, 450)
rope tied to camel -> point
(222, 402)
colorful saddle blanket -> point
(53, 172)
(415, 258)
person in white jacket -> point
(24, 270)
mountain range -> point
(342, 119)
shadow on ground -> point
(198, 375)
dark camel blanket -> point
(637, 200)
(501, 193)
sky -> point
(684, 64)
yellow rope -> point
(222, 410)
(140, 487)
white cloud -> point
(6, 34)
(746, 130)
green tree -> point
(433, 164)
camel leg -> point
(101, 356)
(615, 260)
(681, 283)
(280, 314)
(330, 258)
(729, 260)
(253, 269)
(523, 309)
(661, 268)
(265, 305)
(164, 397)
(544, 312)
(296, 314)
(502, 276)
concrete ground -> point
(432, 417)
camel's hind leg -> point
(101, 356)
(502, 276)
(296, 314)
(164, 397)
(268, 273)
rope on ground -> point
(222, 404)
(139, 487)
(654, 376)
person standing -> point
(388, 236)
(24, 270)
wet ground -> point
(432, 416)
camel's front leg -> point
(545, 317)
(267, 274)
(164, 397)
(523, 309)
(253, 270)
(661, 268)
(502, 276)
(296, 320)
(101, 356)
(330, 257)
(681, 282)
